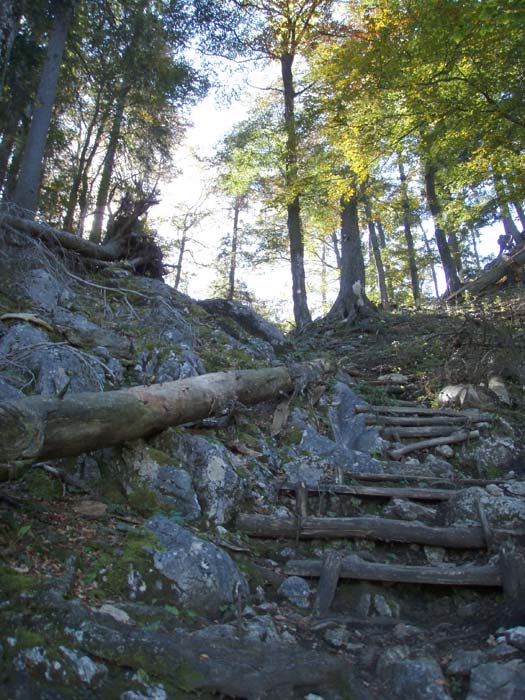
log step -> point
(367, 527)
(353, 567)
(415, 494)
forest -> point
(310, 490)
(385, 116)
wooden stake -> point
(328, 578)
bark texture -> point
(37, 427)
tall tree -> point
(28, 183)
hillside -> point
(314, 545)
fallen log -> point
(461, 436)
(353, 567)
(366, 527)
(37, 427)
(426, 431)
(63, 238)
(414, 494)
(491, 276)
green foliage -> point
(13, 583)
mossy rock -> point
(144, 501)
(41, 485)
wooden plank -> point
(353, 567)
(414, 494)
(366, 527)
(328, 579)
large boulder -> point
(202, 577)
(212, 468)
(48, 365)
(502, 681)
(501, 510)
(411, 679)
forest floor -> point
(404, 358)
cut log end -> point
(21, 433)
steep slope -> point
(295, 548)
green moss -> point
(40, 485)
(159, 456)
(11, 582)
(26, 638)
(292, 436)
(143, 501)
(135, 555)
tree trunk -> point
(351, 300)
(409, 238)
(28, 184)
(182, 250)
(434, 205)
(430, 254)
(295, 233)
(10, 13)
(378, 259)
(107, 169)
(233, 250)
(38, 427)
(84, 162)
(511, 230)
(8, 142)
(521, 214)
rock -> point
(7, 391)
(505, 681)
(412, 679)
(44, 290)
(394, 378)
(462, 662)
(498, 387)
(202, 576)
(247, 318)
(175, 489)
(501, 511)
(445, 451)
(435, 555)
(516, 488)
(490, 453)
(85, 669)
(212, 469)
(47, 362)
(385, 608)
(404, 509)
(494, 490)
(116, 613)
(349, 427)
(465, 396)
(337, 637)
(516, 637)
(83, 333)
(296, 590)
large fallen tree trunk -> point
(38, 427)
(491, 276)
(62, 238)
(367, 527)
(353, 567)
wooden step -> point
(414, 494)
(353, 567)
(366, 527)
